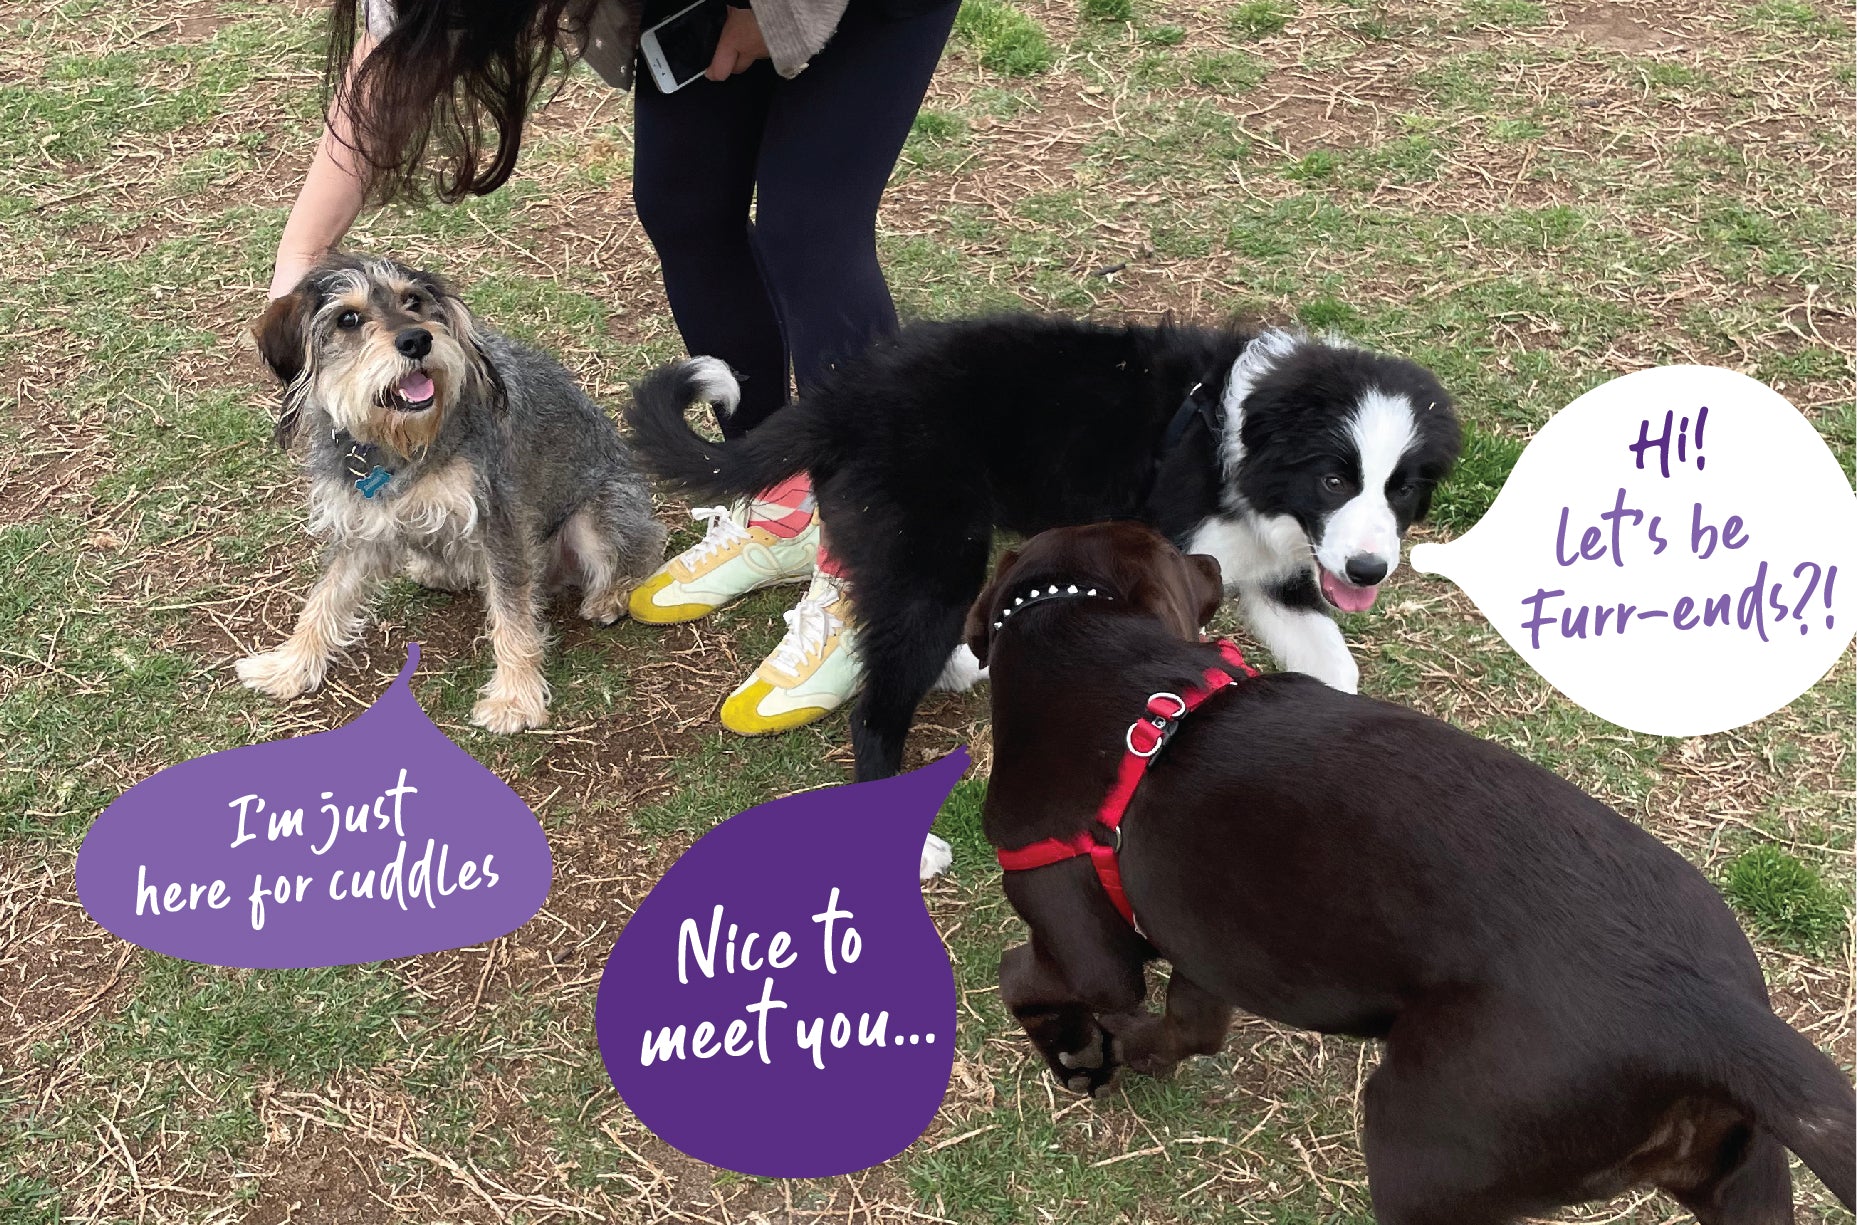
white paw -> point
(936, 856)
(962, 671)
(282, 674)
(1312, 644)
(1341, 672)
(504, 714)
(1335, 668)
(605, 608)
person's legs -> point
(692, 180)
(832, 138)
(693, 176)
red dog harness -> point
(1145, 738)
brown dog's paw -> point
(1090, 1056)
(1139, 1040)
(1091, 1082)
(1088, 1068)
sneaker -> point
(809, 675)
(733, 558)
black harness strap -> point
(1200, 402)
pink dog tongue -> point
(416, 386)
(1346, 596)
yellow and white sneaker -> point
(809, 675)
(733, 558)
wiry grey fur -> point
(519, 478)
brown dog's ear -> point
(1210, 584)
(979, 629)
(282, 333)
(1184, 595)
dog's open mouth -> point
(1345, 595)
(412, 394)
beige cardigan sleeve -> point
(795, 30)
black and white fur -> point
(1302, 478)
(503, 475)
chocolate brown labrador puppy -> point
(1568, 1007)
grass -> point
(1785, 899)
(1004, 39)
(1529, 198)
(1107, 10)
(1485, 464)
(1255, 19)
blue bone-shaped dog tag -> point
(375, 481)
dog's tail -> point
(1790, 1087)
(779, 448)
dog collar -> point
(360, 463)
(1143, 742)
(1051, 591)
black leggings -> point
(800, 287)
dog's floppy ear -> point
(1173, 593)
(1209, 584)
(1424, 507)
(979, 629)
(282, 333)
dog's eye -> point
(1334, 482)
(348, 319)
(414, 301)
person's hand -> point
(290, 269)
(741, 44)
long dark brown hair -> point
(447, 91)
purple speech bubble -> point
(378, 839)
(781, 1004)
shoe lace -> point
(809, 624)
(723, 533)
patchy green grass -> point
(1485, 464)
(1529, 198)
(1107, 10)
(1785, 899)
(1255, 19)
(1004, 38)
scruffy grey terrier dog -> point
(438, 448)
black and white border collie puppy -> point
(1329, 454)
(1298, 462)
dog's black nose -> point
(1365, 570)
(413, 343)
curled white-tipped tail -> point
(720, 471)
(710, 380)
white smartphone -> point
(679, 49)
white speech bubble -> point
(1674, 552)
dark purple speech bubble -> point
(378, 839)
(781, 1004)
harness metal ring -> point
(1175, 698)
(1160, 727)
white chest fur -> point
(438, 509)
(1253, 550)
